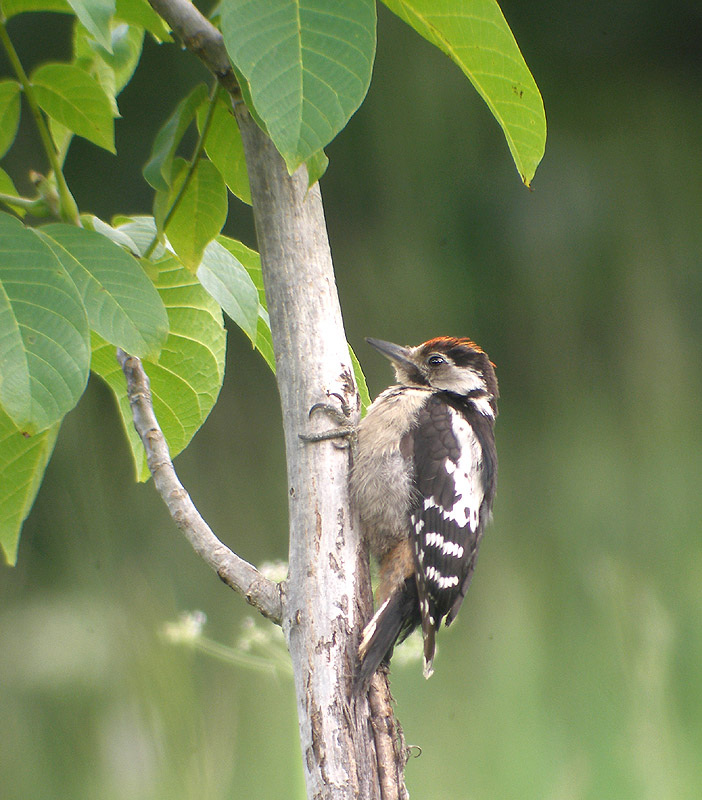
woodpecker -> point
(423, 481)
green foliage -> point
(156, 286)
(201, 210)
(112, 69)
(251, 261)
(7, 188)
(9, 114)
(360, 382)
(308, 66)
(187, 376)
(224, 277)
(96, 16)
(138, 13)
(158, 168)
(12, 7)
(23, 460)
(77, 101)
(45, 351)
(121, 302)
(224, 147)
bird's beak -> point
(397, 354)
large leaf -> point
(9, 114)
(139, 12)
(477, 37)
(158, 168)
(200, 214)
(307, 64)
(225, 278)
(95, 16)
(187, 377)
(224, 147)
(122, 304)
(44, 345)
(251, 262)
(22, 464)
(75, 99)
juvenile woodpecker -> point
(423, 481)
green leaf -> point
(63, 137)
(9, 114)
(157, 170)
(22, 464)
(186, 379)
(264, 339)
(200, 214)
(112, 70)
(361, 384)
(308, 66)
(225, 149)
(127, 44)
(8, 187)
(12, 7)
(316, 167)
(226, 279)
(165, 199)
(122, 304)
(95, 16)
(251, 262)
(477, 37)
(117, 236)
(70, 96)
(139, 12)
(44, 346)
(141, 230)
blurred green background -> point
(574, 670)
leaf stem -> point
(36, 206)
(192, 167)
(68, 207)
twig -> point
(262, 593)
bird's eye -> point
(434, 361)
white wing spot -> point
(441, 581)
(448, 548)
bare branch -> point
(262, 593)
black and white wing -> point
(455, 473)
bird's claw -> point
(340, 416)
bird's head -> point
(452, 365)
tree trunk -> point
(351, 749)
